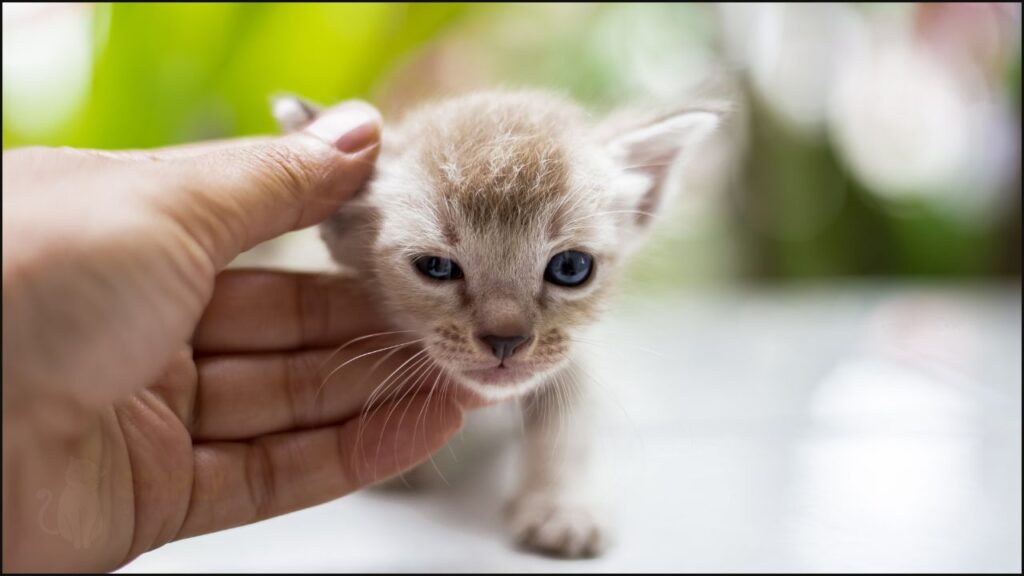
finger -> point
(245, 396)
(238, 483)
(188, 150)
(292, 113)
(254, 310)
(234, 196)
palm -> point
(243, 427)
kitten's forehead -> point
(505, 162)
(516, 172)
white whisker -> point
(425, 410)
(360, 339)
(616, 345)
(394, 405)
(365, 417)
(351, 360)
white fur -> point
(484, 149)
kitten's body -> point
(501, 183)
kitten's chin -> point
(500, 382)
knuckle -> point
(302, 389)
(261, 481)
(32, 151)
(312, 305)
(287, 168)
(35, 156)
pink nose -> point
(504, 346)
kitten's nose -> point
(504, 346)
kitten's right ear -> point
(646, 149)
(293, 113)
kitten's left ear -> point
(292, 112)
(645, 151)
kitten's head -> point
(496, 223)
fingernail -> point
(350, 127)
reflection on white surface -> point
(788, 431)
(876, 395)
(886, 502)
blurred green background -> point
(867, 140)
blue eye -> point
(569, 268)
(437, 268)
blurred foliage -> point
(171, 73)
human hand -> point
(147, 398)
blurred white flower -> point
(908, 127)
(899, 119)
(47, 64)
(658, 51)
(791, 53)
(906, 94)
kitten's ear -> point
(292, 113)
(646, 150)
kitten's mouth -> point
(501, 374)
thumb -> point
(231, 196)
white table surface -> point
(850, 427)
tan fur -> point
(500, 161)
(500, 182)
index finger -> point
(260, 310)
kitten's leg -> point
(555, 510)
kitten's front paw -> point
(549, 524)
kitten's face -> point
(501, 326)
(498, 239)
(497, 288)
(495, 226)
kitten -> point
(494, 228)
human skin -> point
(148, 395)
